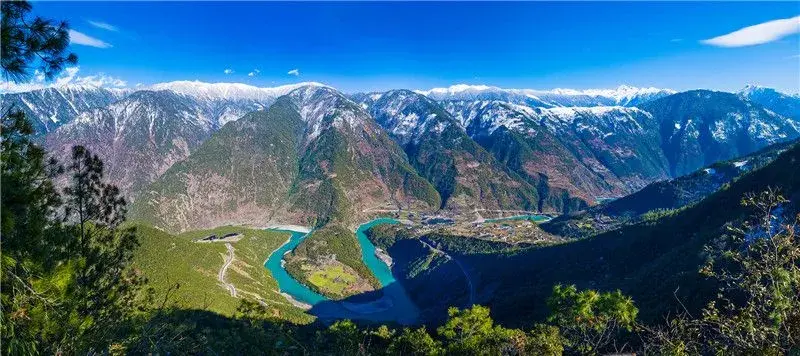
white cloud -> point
(294, 72)
(254, 73)
(67, 77)
(676, 40)
(104, 25)
(101, 80)
(79, 38)
(757, 34)
(228, 71)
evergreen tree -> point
(757, 307)
(31, 242)
(590, 321)
(32, 43)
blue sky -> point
(375, 46)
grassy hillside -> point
(170, 260)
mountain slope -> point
(138, 137)
(312, 158)
(701, 127)
(349, 163)
(658, 198)
(242, 174)
(50, 108)
(589, 153)
(465, 175)
(646, 261)
(771, 99)
(622, 96)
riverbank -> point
(390, 304)
(288, 227)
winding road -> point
(224, 269)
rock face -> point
(138, 137)
(312, 158)
(464, 173)
(701, 127)
(51, 108)
(773, 100)
(584, 152)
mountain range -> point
(194, 154)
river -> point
(535, 218)
(390, 304)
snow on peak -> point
(570, 113)
(457, 89)
(228, 91)
(622, 95)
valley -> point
(337, 178)
(466, 170)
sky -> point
(388, 45)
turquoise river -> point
(391, 303)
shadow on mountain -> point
(654, 262)
(200, 332)
(430, 285)
(389, 304)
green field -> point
(332, 280)
(314, 258)
(169, 260)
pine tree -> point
(32, 43)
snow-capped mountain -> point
(466, 176)
(622, 96)
(783, 104)
(700, 127)
(228, 91)
(408, 116)
(568, 146)
(225, 102)
(312, 157)
(591, 151)
(603, 149)
(138, 137)
(50, 108)
(324, 108)
(222, 102)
